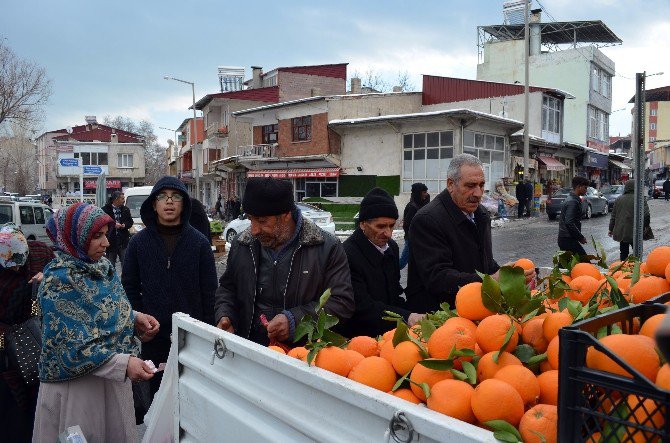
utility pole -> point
(639, 159)
(526, 88)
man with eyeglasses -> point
(169, 267)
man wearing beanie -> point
(279, 267)
(375, 269)
(417, 200)
(119, 235)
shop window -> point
(426, 157)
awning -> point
(296, 173)
(595, 160)
(620, 165)
(532, 163)
(551, 163)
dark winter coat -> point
(118, 238)
(411, 209)
(317, 263)
(666, 186)
(521, 192)
(160, 285)
(570, 221)
(376, 281)
(446, 250)
(621, 220)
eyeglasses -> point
(176, 197)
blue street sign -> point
(69, 162)
(92, 170)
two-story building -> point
(116, 153)
(190, 139)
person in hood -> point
(621, 220)
(169, 267)
(417, 200)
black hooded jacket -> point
(183, 282)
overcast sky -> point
(109, 58)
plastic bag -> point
(159, 418)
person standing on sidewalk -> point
(119, 235)
(522, 196)
(666, 189)
(530, 191)
(570, 236)
(417, 200)
(621, 220)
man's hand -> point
(138, 370)
(414, 318)
(37, 277)
(609, 233)
(146, 326)
(583, 240)
(529, 274)
(278, 328)
(225, 324)
(119, 225)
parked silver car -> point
(592, 203)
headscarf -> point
(86, 315)
(72, 228)
(13, 247)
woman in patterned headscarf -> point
(89, 352)
(21, 262)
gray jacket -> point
(621, 220)
(318, 263)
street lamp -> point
(195, 138)
(176, 143)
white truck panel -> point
(255, 394)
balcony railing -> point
(262, 151)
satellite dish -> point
(69, 129)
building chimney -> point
(256, 81)
(114, 137)
(355, 85)
(91, 120)
(316, 92)
(535, 33)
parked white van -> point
(30, 217)
(134, 199)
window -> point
(39, 216)
(302, 128)
(653, 112)
(595, 79)
(652, 139)
(92, 158)
(598, 124)
(270, 133)
(551, 114)
(601, 82)
(652, 126)
(490, 149)
(27, 216)
(6, 214)
(125, 160)
(426, 157)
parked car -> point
(612, 193)
(658, 189)
(30, 217)
(134, 199)
(592, 203)
(323, 219)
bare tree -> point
(404, 82)
(374, 81)
(154, 154)
(17, 160)
(24, 88)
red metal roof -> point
(338, 70)
(267, 95)
(448, 89)
(97, 132)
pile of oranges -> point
(521, 393)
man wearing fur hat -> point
(279, 267)
(119, 235)
(375, 268)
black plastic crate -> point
(592, 401)
(659, 299)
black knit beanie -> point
(377, 203)
(268, 196)
(418, 188)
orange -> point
(548, 387)
(406, 394)
(636, 350)
(583, 288)
(657, 260)
(353, 358)
(497, 400)
(585, 269)
(552, 353)
(545, 366)
(452, 398)
(492, 330)
(663, 377)
(277, 349)
(525, 264)
(523, 380)
(300, 353)
(333, 359)
(375, 372)
(624, 284)
(387, 351)
(421, 374)
(649, 413)
(487, 368)
(667, 272)
(540, 424)
(405, 356)
(388, 335)
(555, 321)
(449, 336)
(533, 335)
(460, 321)
(643, 268)
(366, 346)
(649, 327)
(469, 302)
(648, 287)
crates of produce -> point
(607, 380)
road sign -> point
(92, 170)
(69, 162)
